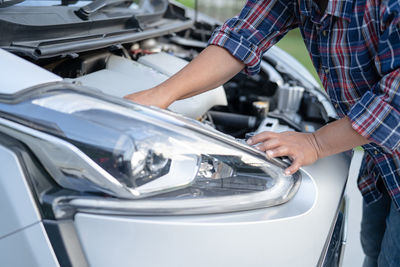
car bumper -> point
(297, 233)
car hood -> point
(48, 31)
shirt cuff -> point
(239, 47)
(376, 120)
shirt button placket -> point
(323, 42)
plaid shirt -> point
(355, 48)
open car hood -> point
(48, 31)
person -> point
(355, 47)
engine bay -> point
(272, 100)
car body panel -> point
(16, 201)
(17, 74)
(28, 247)
(251, 238)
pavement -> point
(353, 254)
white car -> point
(91, 179)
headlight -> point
(163, 163)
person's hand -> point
(150, 97)
(301, 148)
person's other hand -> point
(301, 148)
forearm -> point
(213, 67)
(337, 137)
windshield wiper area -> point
(86, 11)
(52, 31)
(7, 3)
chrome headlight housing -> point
(149, 160)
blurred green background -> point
(223, 9)
(293, 44)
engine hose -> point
(233, 121)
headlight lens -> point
(93, 143)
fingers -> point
(268, 145)
(296, 164)
(133, 97)
(285, 151)
(148, 97)
(261, 137)
(292, 144)
(279, 152)
(282, 144)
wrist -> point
(336, 137)
(317, 145)
(163, 94)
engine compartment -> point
(272, 100)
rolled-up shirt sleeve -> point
(260, 24)
(376, 115)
